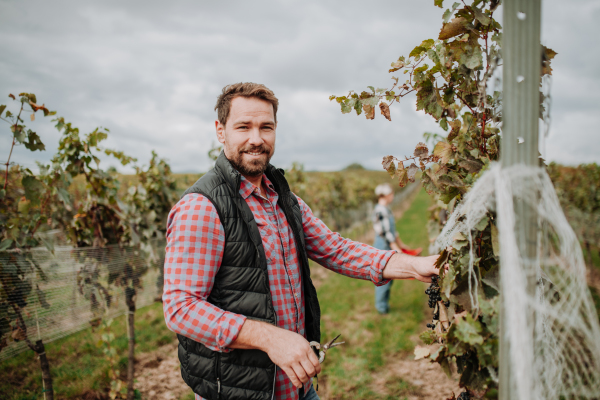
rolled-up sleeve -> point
(195, 244)
(341, 255)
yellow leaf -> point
(443, 150)
(452, 28)
(421, 352)
(32, 116)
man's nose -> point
(255, 138)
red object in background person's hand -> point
(412, 252)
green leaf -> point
(444, 124)
(448, 14)
(438, 3)
(473, 59)
(2, 107)
(427, 100)
(428, 337)
(347, 106)
(5, 244)
(480, 16)
(417, 51)
(24, 206)
(468, 330)
(19, 133)
(34, 142)
(481, 225)
(63, 195)
(33, 188)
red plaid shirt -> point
(195, 242)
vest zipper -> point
(274, 378)
(218, 373)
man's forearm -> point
(403, 266)
(253, 335)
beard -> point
(255, 167)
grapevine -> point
(449, 76)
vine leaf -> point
(385, 110)
(428, 100)
(468, 329)
(428, 337)
(412, 171)
(421, 150)
(396, 65)
(5, 244)
(387, 160)
(549, 54)
(453, 28)
(421, 352)
(480, 16)
(32, 187)
(369, 111)
(443, 150)
(448, 13)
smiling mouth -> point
(255, 154)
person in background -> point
(386, 238)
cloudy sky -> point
(150, 71)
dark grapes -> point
(464, 396)
(433, 291)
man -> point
(386, 238)
(237, 288)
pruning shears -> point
(323, 349)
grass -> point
(348, 308)
(77, 363)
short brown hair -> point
(243, 89)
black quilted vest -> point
(242, 286)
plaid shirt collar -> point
(247, 188)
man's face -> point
(248, 135)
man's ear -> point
(220, 128)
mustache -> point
(256, 149)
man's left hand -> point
(402, 266)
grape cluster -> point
(433, 291)
(464, 396)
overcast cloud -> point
(151, 71)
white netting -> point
(553, 330)
(56, 294)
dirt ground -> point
(159, 378)
(158, 375)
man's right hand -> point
(288, 350)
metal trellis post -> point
(521, 53)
